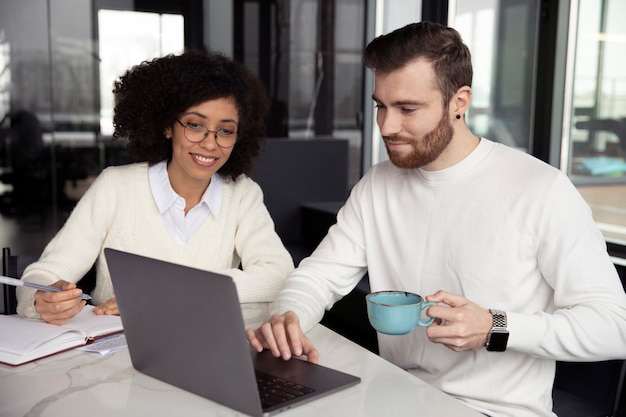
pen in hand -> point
(19, 283)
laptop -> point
(184, 326)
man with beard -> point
(501, 241)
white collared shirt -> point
(172, 206)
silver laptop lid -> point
(182, 326)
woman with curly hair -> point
(194, 123)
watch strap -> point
(499, 335)
(499, 318)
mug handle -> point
(431, 320)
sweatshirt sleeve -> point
(589, 317)
(331, 272)
(74, 249)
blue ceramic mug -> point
(396, 312)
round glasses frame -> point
(197, 133)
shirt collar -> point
(165, 196)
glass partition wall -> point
(58, 61)
(308, 55)
(502, 36)
(59, 58)
(593, 143)
(594, 140)
(48, 111)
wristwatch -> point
(499, 335)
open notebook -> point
(25, 340)
(184, 326)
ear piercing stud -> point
(458, 116)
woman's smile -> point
(204, 160)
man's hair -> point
(436, 43)
(150, 96)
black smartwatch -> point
(499, 335)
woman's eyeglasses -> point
(195, 132)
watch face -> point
(498, 340)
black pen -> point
(19, 283)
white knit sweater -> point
(118, 211)
(502, 229)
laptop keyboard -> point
(274, 390)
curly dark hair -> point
(150, 96)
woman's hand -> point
(59, 307)
(109, 307)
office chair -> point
(588, 389)
(615, 126)
(30, 172)
(12, 266)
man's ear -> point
(461, 100)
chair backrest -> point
(12, 266)
(589, 389)
(289, 173)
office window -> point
(502, 37)
(127, 38)
(58, 61)
(388, 16)
(593, 151)
(308, 55)
(597, 132)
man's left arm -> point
(588, 321)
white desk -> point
(78, 383)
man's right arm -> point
(332, 271)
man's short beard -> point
(425, 150)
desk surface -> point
(78, 383)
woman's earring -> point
(458, 117)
